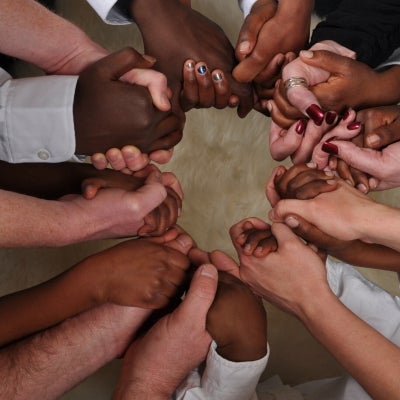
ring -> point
(295, 81)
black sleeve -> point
(371, 28)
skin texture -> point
(155, 130)
(197, 39)
(146, 372)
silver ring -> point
(295, 81)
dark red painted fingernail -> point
(316, 114)
(352, 126)
(330, 117)
(301, 126)
(330, 148)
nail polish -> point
(202, 69)
(352, 126)
(330, 117)
(217, 77)
(301, 126)
(316, 114)
(190, 66)
(330, 148)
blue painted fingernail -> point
(202, 70)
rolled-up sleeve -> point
(245, 6)
(36, 118)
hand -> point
(252, 237)
(237, 321)
(197, 38)
(288, 277)
(300, 97)
(268, 33)
(179, 339)
(356, 210)
(299, 140)
(380, 129)
(351, 83)
(302, 181)
(158, 220)
(106, 110)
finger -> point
(282, 181)
(117, 64)
(284, 111)
(225, 263)
(172, 129)
(361, 181)
(161, 156)
(205, 85)
(135, 160)
(170, 180)
(190, 93)
(148, 198)
(115, 159)
(201, 293)
(91, 186)
(156, 83)
(284, 143)
(236, 230)
(198, 256)
(244, 92)
(271, 71)
(255, 238)
(99, 161)
(270, 190)
(222, 89)
(383, 136)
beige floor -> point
(223, 163)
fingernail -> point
(362, 188)
(202, 69)
(208, 270)
(269, 106)
(330, 148)
(244, 47)
(292, 222)
(352, 126)
(307, 53)
(330, 117)
(190, 65)
(373, 140)
(301, 126)
(316, 114)
(373, 183)
(311, 165)
(217, 77)
(150, 58)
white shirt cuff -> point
(245, 6)
(36, 119)
(109, 12)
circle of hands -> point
(342, 142)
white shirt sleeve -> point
(36, 118)
(394, 59)
(223, 379)
(109, 12)
(245, 6)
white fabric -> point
(36, 118)
(394, 59)
(222, 379)
(245, 6)
(109, 12)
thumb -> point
(225, 263)
(149, 197)
(201, 293)
(117, 64)
(325, 60)
(364, 159)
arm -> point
(371, 30)
(51, 363)
(106, 277)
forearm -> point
(51, 363)
(45, 305)
(30, 222)
(371, 30)
(33, 33)
(368, 356)
(367, 255)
